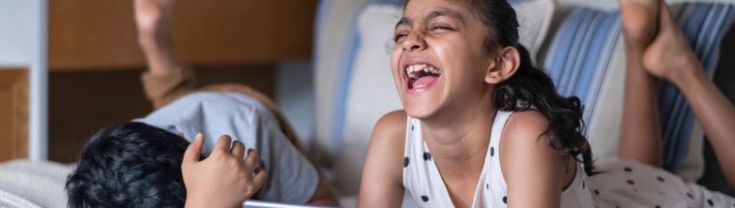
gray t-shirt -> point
(291, 178)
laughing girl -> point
(480, 126)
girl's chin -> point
(419, 112)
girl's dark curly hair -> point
(531, 88)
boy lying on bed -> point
(146, 163)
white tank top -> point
(424, 185)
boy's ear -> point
(505, 65)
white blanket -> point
(33, 184)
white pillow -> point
(334, 25)
(371, 92)
(534, 18)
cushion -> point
(586, 59)
(335, 36)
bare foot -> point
(153, 20)
(152, 17)
(669, 53)
(640, 20)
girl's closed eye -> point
(399, 36)
(441, 28)
(401, 33)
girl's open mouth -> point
(421, 76)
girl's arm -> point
(382, 175)
(533, 170)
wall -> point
(295, 97)
(23, 43)
(16, 26)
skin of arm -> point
(382, 176)
(532, 169)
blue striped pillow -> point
(581, 56)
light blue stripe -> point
(605, 47)
(570, 59)
(581, 40)
(583, 54)
(580, 54)
(343, 88)
(323, 9)
(592, 56)
(562, 54)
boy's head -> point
(129, 165)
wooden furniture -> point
(95, 60)
(13, 113)
(101, 34)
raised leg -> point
(640, 136)
(669, 57)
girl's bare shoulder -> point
(391, 126)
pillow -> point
(335, 37)
(534, 17)
(586, 59)
(366, 91)
(370, 92)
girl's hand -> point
(223, 179)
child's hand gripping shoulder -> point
(532, 169)
(223, 179)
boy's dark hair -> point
(129, 165)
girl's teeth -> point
(420, 67)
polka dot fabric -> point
(424, 185)
(634, 184)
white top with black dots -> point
(424, 184)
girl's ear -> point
(504, 67)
